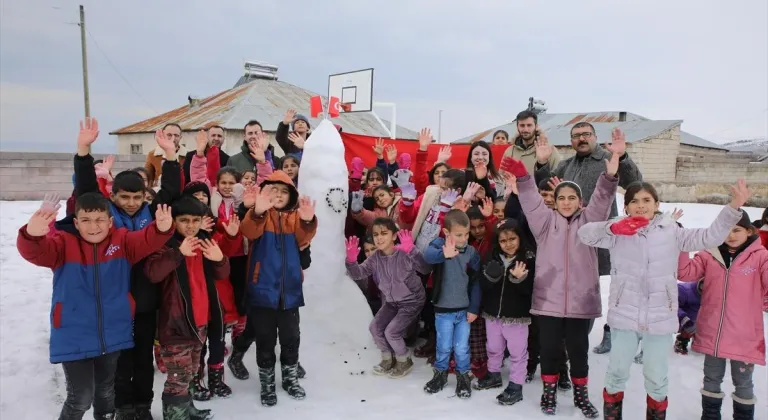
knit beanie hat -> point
(745, 222)
(300, 117)
(195, 187)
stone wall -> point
(708, 192)
(29, 176)
(712, 169)
(700, 151)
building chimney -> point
(622, 116)
(259, 70)
(194, 102)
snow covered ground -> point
(339, 384)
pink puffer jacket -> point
(567, 284)
(730, 322)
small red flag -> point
(334, 107)
(315, 106)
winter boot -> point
(463, 385)
(549, 395)
(291, 382)
(176, 407)
(216, 381)
(108, 416)
(512, 394)
(656, 410)
(529, 376)
(581, 398)
(385, 366)
(159, 359)
(235, 363)
(489, 381)
(125, 413)
(639, 358)
(711, 403)
(743, 409)
(143, 412)
(681, 345)
(612, 405)
(267, 378)
(198, 414)
(197, 388)
(302, 373)
(428, 349)
(402, 367)
(564, 383)
(437, 383)
(605, 345)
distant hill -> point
(758, 145)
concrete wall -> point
(29, 176)
(700, 151)
(695, 169)
(708, 192)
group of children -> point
(489, 264)
(529, 257)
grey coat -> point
(585, 171)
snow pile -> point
(32, 388)
(336, 313)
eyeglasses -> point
(577, 136)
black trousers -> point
(215, 345)
(271, 325)
(135, 368)
(552, 331)
(534, 349)
(238, 270)
(90, 381)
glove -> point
(687, 327)
(401, 177)
(406, 241)
(513, 166)
(494, 271)
(353, 248)
(447, 198)
(629, 225)
(408, 192)
(404, 161)
(357, 166)
(356, 204)
(237, 192)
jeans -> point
(452, 335)
(513, 337)
(135, 375)
(90, 381)
(741, 375)
(624, 345)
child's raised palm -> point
(249, 196)
(264, 200)
(201, 139)
(40, 222)
(207, 224)
(391, 153)
(306, 209)
(233, 227)
(472, 189)
(487, 207)
(51, 202)
(406, 241)
(189, 246)
(449, 249)
(378, 148)
(297, 140)
(444, 154)
(89, 132)
(211, 250)
(352, 245)
(163, 218)
(519, 270)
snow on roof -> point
(263, 100)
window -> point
(136, 149)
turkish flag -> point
(315, 106)
(334, 107)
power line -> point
(118, 71)
(754, 117)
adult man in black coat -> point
(215, 138)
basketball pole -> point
(392, 130)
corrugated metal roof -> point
(559, 125)
(262, 100)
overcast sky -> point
(702, 61)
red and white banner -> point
(357, 145)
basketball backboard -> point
(354, 89)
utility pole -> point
(439, 125)
(85, 63)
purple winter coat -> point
(567, 284)
(396, 275)
(688, 301)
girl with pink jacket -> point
(643, 296)
(730, 322)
